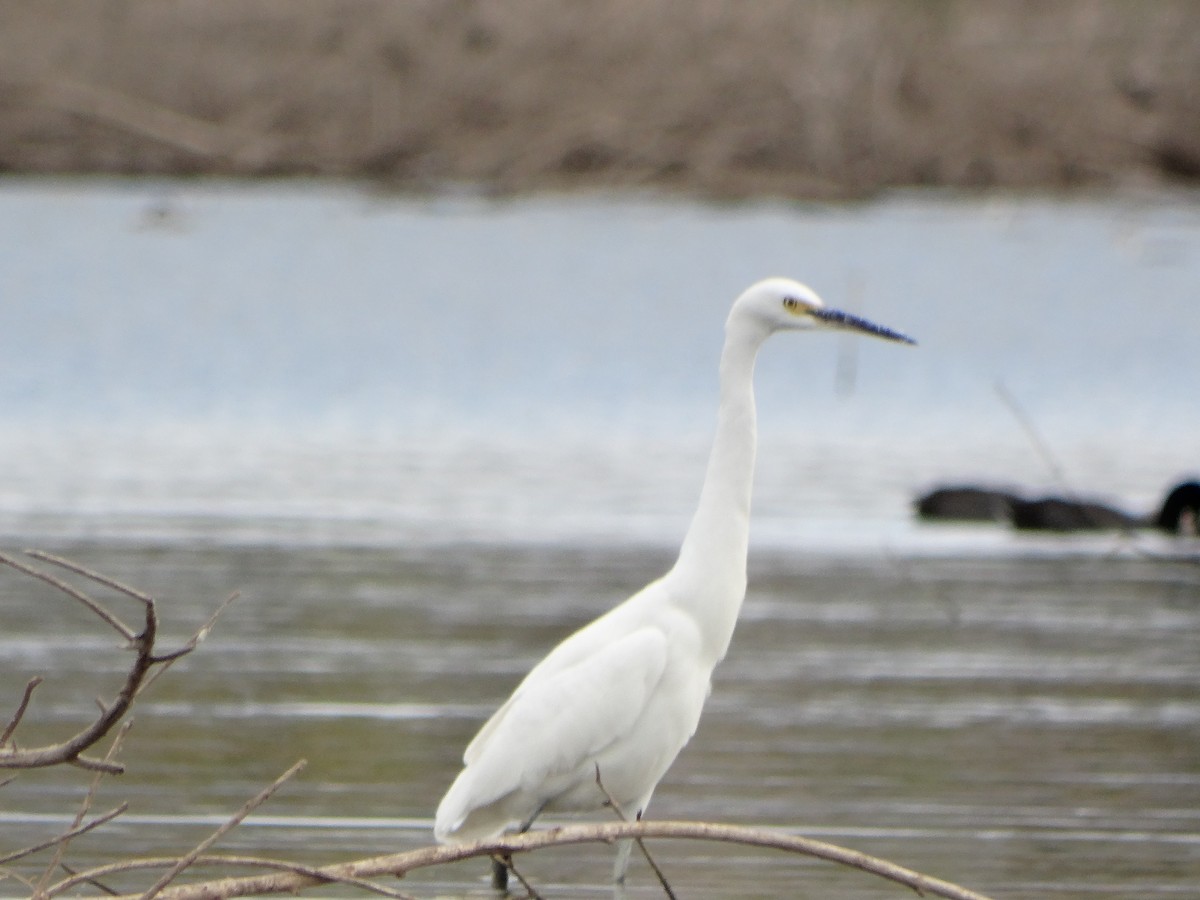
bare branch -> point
(65, 836)
(1035, 437)
(70, 751)
(616, 808)
(133, 865)
(121, 628)
(194, 641)
(504, 865)
(92, 881)
(251, 805)
(141, 674)
(21, 707)
(84, 807)
(399, 864)
(92, 765)
(72, 566)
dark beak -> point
(849, 322)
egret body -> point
(621, 696)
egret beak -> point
(849, 322)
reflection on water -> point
(1024, 724)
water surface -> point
(426, 439)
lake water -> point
(426, 438)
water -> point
(425, 439)
(293, 357)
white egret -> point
(621, 696)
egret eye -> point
(791, 304)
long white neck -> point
(710, 574)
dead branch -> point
(191, 644)
(93, 882)
(1040, 445)
(85, 806)
(21, 707)
(176, 866)
(71, 750)
(616, 808)
(508, 865)
(120, 627)
(214, 860)
(141, 671)
(251, 805)
(399, 864)
(72, 566)
(65, 836)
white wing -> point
(557, 722)
(596, 637)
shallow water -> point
(425, 440)
(1024, 724)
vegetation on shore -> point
(794, 99)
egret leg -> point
(625, 847)
(500, 864)
(528, 823)
(621, 863)
(500, 873)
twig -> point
(121, 628)
(78, 569)
(505, 860)
(71, 750)
(1035, 437)
(234, 820)
(1056, 469)
(142, 671)
(616, 807)
(92, 881)
(399, 864)
(21, 707)
(65, 836)
(61, 850)
(191, 644)
(318, 876)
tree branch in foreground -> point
(141, 672)
(254, 803)
(399, 864)
(65, 836)
(60, 849)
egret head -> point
(781, 304)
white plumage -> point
(624, 693)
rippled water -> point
(1023, 724)
(426, 440)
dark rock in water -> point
(1061, 514)
(1180, 512)
(966, 504)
